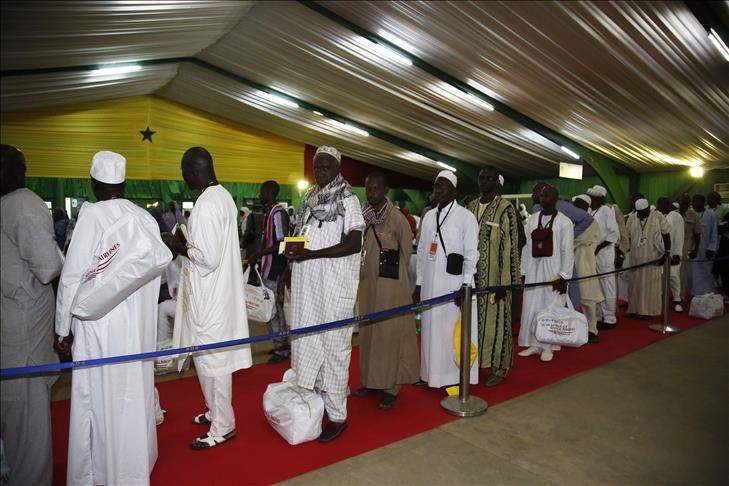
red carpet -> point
(259, 456)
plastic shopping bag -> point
(707, 306)
(128, 257)
(562, 325)
(457, 335)
(294, 412)
(260, 301)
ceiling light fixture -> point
(350, 128)
(569, 152)
(392, 54)
(279, 99)
(481, 102)
(396, 41)
(111, 70)
(318, 113)
(445, 166)
(719, 44)
(696, 172)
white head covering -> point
(642, 204)
(449, 176)
(584, 197)
(676, 205)
(597, 191)
(326, 149)
(108, 167)
(501, 180)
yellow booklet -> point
(293, 243)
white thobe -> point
(112, 434)
(544, 269)
(610, 232)
(459, 229)
(211, 302)
(677, 233)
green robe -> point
(498, 264)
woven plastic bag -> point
(260, 300)
(707, 306)
(561, 325)
(294, 412)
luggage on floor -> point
(562, 325)
(294, 412)
(707, 306)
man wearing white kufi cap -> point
(447, 256)
(605, 251)
(648, 232)
(112, 438)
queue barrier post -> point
(464, 405)
(664, 327)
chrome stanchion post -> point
(664, 327)
(464, 405)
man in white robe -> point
(556, 268)
(449, 229)
(677, 234)
(112, 434)
(605, 251)
(586, 265)
(324, 278)
(211, 297)
(30, 261)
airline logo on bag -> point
(558, 328)
(105, 260)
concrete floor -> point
(657, 416)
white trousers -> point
(165, 322)
(606, 263)
(218, 393)
(675, 281)
(589, 309)
(335, 404)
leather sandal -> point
(387, 401)
(201, 419)
(209, 441)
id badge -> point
(433, 250)
(642, 241)
(363, 255)
(305, 230)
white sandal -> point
(208, 441)
(202, 419)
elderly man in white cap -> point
(605, 251)
(586, 265)
(112, 435)
(649, 235)
(447, 258)
(324, 278)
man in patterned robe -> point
(498, 264)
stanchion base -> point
(664, 330)
(470, 408)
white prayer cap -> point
(108, 167)
(597, 191)
(642, 204)
(501, 180)
(676, 205)
(326, 149)
(583, 197)
(449, 176)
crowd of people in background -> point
(357, 259)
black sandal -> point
(387, 402)
(208, 441)
(201, 419)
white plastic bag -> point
(562, 325)
(294, 412)
(128, 257)
(260, 301)
(707, 306)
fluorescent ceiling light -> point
(112, 70)
(318, 113)
(350, 128)
(570, 152)
(570, 171)
(481, 102)
(696, 172)
(396, 41)
(279, 99)
(445, 166)
(719, 44)
(392, 54)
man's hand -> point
(416, 295)
(178, 244)
(252, 260)
(602, 245)
(63, 346)
(499, 295)
(663, 259)
(299, 255)
(459, 298)
(619, 258)
(560, 285)
(675, 260)
(710, 254)
(692, 254)
(283, 284)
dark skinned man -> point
(605, 252)
(675, 221)
(324, 278)
(388, 348)
(648, 232)
(700, 276)
(498, 264)
(211, 300)
(447, 257)
(30, 261)
(547, 256)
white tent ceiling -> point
(638, 82)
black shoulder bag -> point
(389, 260)
(454, 261)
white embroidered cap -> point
(108, 167)
(449, 176)
(642, 204)
(583, 197)
(326, 149)
(597, 191)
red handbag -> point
(542, 239)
